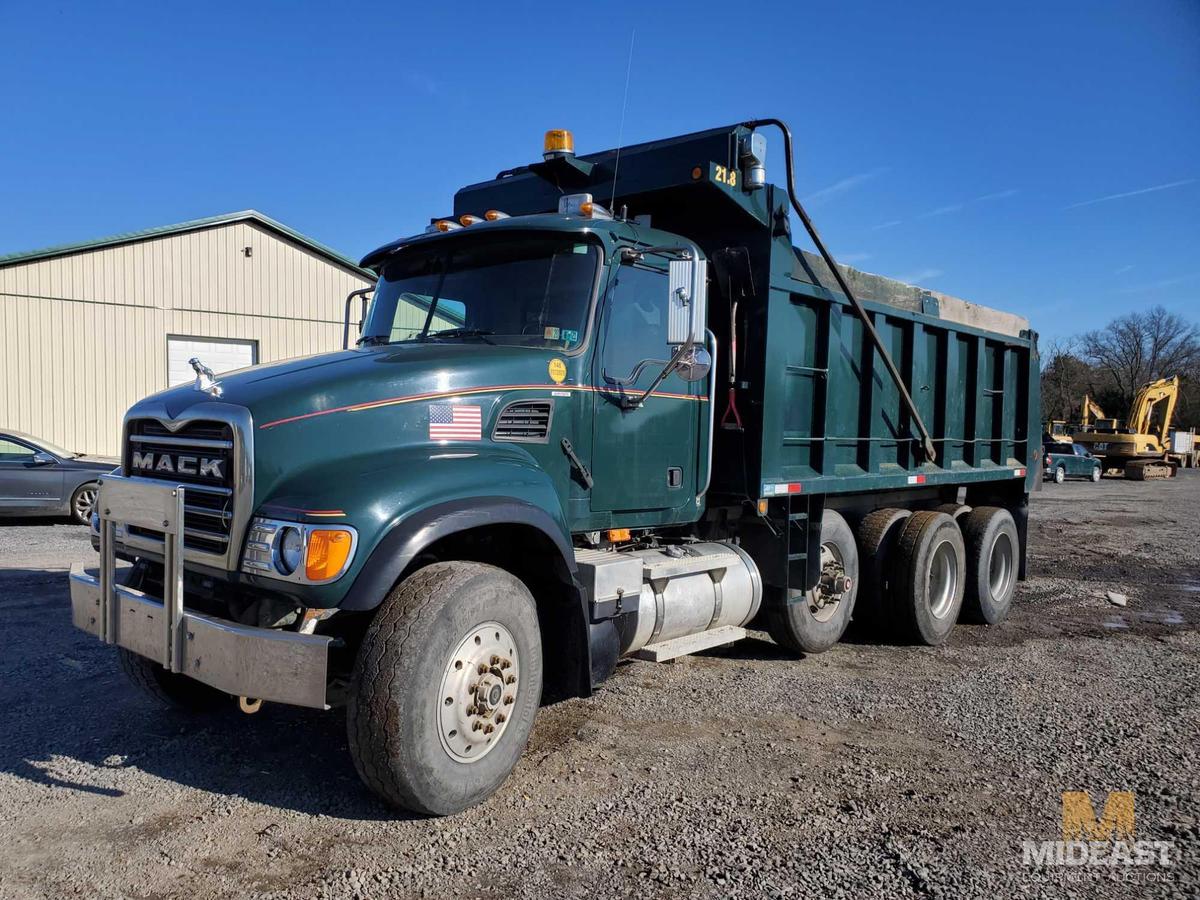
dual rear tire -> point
(945, 569)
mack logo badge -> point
(182, 464)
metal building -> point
(88, 329)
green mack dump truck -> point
(605, 431)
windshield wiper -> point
(480, 333)
(370, 340)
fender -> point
(595, 644)
(400, 546)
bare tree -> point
(1065, 379)
(1140, 347)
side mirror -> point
(688, 300)
(694, 364)
(42, 458)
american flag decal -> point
(455, 422)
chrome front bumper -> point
(281, 666)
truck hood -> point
(310, 386)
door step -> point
(690, 643)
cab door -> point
(643, 458)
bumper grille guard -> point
(245, 661)
(154, 507)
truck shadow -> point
(69, 720)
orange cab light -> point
(558, 140)
(445, 225)
(493, 215)
(618, 534)
(468, 219)
(586, 209)
(328, 551)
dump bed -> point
(831, 417)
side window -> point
(636, 322)
(11, 451)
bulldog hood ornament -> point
(206, 379)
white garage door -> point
(218, 355)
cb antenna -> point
(621, 128)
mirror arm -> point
(629, 254)
(667, 370)
(361, 292)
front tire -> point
(83, 501)
(446, 686)
(813, 621)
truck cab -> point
(517, 473)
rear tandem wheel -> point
(814, 620)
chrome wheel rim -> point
(1000, 566)
(479, 691)
(943, 579)
(85, 501)
(1059, 476)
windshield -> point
(523, 290)
(39, 444)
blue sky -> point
(1042, 158)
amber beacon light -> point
(558, 142)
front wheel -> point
(446, 686)
(83, 501)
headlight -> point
(292, 551)
(289, 550)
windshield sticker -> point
(580, 248)
(570, 335)
(558, 371)
(550, 333)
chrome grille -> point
(208, 498)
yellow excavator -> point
(1093, 415)
(1060, 431)
(1140, 447)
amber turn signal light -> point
(618, 534)
(328, 551)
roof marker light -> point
(442, 225)
(493, 215)
(582, 205)
(468, 219)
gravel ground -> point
(871, 770)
